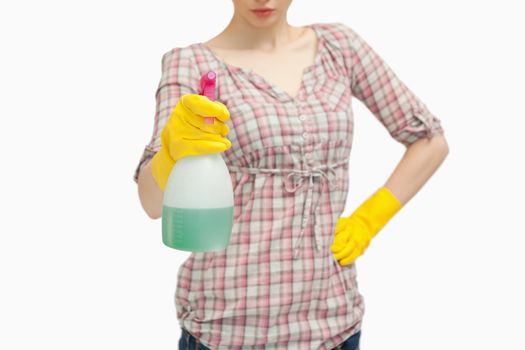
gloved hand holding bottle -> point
(354, 233)
(186, 134)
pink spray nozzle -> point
(208, 82)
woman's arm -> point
(354, 233)
(179, 77)
(151, 196)
(418, 164)
(409, 121)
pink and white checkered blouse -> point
(278, 285)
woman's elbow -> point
(443, 144)
(151, 196)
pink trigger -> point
(208, 81)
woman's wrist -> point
(377, 210)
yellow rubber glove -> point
(354, 233)
(186, 134)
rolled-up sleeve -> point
(179, 77)
(378, 87)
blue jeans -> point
(189, 342)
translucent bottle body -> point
(197, 212)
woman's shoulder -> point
(179, 64)
(179, 53)
(338, 34)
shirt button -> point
(308, 155)
(305, 135)
(302, 117)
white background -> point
(83, 267)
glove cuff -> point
(377, 210)
(161, 166)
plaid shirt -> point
(277, 285)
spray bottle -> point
(197, 213)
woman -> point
(287, 279)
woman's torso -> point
(277, 284)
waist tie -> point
(307, 208)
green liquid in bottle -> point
(197, 230)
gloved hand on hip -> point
(354, 233)
(186, 134)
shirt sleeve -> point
(179, 77)
(378, 87)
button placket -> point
(309, 158)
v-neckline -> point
(281, 92)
